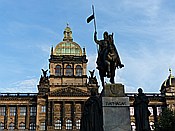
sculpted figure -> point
(44, 73)
(92, 78)
(141, 112)
(92, 115)
(108, 58)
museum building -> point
(58, 105)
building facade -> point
(61, 94)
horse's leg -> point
(102, 81)
(112, 67)
(112, 79)
(108, 68)
(101, 73)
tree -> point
(166, 121)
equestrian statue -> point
(108, 58)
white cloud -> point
(45, 48)
(149, 7)
(25, 86)
(92, 61)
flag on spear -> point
(90, 18)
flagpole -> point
(95, 24)
(94, 18)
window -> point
(58, 70)
(151, 110)
(42, 127)
(22, 125)
(43, 108)
(152, 126)
(78, 70)
(1, 125)
(32, 126)
(69, 71)
(2, 111)
(57, 124)
(68, 124)
(159, 110)
(133, 127)
(11, 126)
(131, 111)
(33, 111)
(22, 111)
(78, 124)
(12, 111)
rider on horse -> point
(108, 58)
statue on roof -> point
(44, 73)
(92, 78)
(108, 58)
(44, 78)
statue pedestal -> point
(116, 113)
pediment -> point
(69, 91)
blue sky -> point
(144, 34)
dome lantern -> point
(67, 34)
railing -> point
(147, 94)
(18, 94)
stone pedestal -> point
(116, 113)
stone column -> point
(27, 117)
(16, 118)
(52, 113)
(73, 115)
(49, 115)
(63, 116)
(116, 113)
(63, 74)
(73, 69)
(6, 117)
(155, 114)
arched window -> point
(79, 71)
(133, 126)
(57, 124)
(68, 124)
(11, 126)
(69, 70)
(58, 70)
(22, 125)
(1, 126)
(78, 124)
(32, 126)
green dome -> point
(68, 48)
